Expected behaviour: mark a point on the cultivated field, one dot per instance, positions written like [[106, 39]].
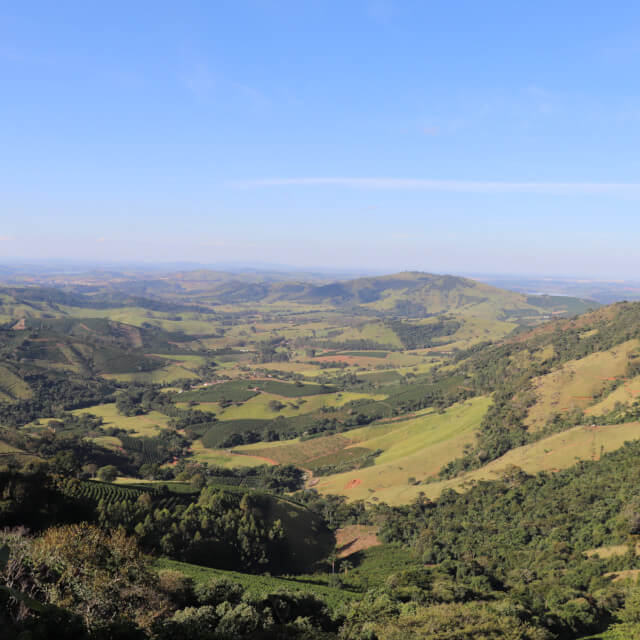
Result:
[[258, 585]]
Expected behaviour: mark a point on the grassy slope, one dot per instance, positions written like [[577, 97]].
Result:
[[145, 425], [222, 458], [7, 448], [258, 406], [553, 453], [11, 386], [167, 374], [298, 452], [412, 448], [627, 393], [191, 323], [376, 331], [575, 383]]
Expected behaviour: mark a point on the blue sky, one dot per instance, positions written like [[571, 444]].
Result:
[[461, 137]]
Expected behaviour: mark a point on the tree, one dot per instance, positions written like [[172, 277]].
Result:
[[66, 464], [108, 473], [276, 405]]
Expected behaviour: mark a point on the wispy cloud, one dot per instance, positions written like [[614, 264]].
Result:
[[462, 186]]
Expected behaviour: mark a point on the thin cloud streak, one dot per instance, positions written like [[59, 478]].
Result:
[[463, 186]]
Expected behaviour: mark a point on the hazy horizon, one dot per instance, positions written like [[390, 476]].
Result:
[[31, 266]]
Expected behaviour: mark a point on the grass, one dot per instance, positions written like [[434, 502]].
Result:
[[375, 331], [414, 448], [108, 442], [477, 329], [190, 324], [607, 552], [11, 386], [553, 453], [257, 407], [289, 390], [333, 459], [186, 360], [296, 451], [363, 354], [164, 375], [149, 424], [627, 393], [7, 448], [575, 383], [381, 377], [222, 458], [258, 584], [235, 391]]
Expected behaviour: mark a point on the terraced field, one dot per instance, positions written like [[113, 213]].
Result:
[[258, 585]]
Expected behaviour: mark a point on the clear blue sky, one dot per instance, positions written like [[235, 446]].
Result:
[[443, 136]]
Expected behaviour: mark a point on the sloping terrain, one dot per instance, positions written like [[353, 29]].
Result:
[[412, 294], [577, 384], [413, 451], [551, 454]]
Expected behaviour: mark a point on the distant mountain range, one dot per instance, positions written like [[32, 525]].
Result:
[[408, 294]]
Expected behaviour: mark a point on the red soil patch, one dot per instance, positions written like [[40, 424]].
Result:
[[353, 483], [355, 537]]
